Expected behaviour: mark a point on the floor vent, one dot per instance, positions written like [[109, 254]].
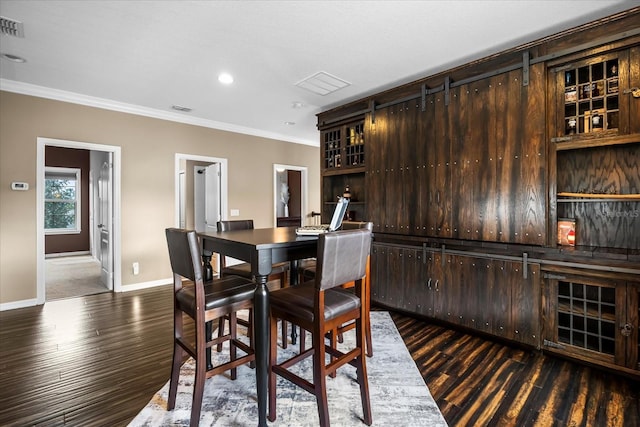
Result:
[[322, 83], [10, 27]]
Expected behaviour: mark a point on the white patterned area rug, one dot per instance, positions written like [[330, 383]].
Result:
[[399, 396]]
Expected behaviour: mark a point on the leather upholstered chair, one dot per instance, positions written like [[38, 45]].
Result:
[[319, 307], [203, 303], [307, 271], [279, 272]]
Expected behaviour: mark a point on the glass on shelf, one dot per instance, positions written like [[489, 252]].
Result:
[[596, 120], [585, 91], [597, 88], [570, 78], [612, 68]]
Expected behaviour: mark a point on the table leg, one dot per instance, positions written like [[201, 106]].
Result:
[[262, 342]]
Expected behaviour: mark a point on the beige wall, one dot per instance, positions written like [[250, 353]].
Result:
[[148, 156]]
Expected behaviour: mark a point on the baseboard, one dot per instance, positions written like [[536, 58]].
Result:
[[145, 285], [18, 304]]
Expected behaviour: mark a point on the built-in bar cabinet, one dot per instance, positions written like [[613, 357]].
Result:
[[505, 193]]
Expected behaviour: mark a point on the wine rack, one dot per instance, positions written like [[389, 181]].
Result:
[[591, 97]]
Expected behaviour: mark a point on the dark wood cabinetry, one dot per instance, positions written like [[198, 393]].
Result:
[[593, 317], [467, 173], [343, 161], [498, 296]]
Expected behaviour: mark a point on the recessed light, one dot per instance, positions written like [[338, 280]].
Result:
[[225, 78], [290, 123], [297, 104], [13, 58]]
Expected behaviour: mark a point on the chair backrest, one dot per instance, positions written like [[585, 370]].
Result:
[[241, 224], [342, 257], [184, 253], [353, 225]]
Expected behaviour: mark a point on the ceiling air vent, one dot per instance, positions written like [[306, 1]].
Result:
[[322, 83], [10, 27]]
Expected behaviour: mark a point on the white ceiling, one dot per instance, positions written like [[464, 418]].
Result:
[[145, 56]]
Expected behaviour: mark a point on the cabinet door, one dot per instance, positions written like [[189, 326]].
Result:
[[379, 273], [413, 284], [629, 342], [585, 317], [387, 270], [526, 302]]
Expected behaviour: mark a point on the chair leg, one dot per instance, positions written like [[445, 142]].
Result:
[[220, 332], [273, 359], [233, 352], [367, 319], [201, 375], [319, 377], [284, 334], [177, 359], [175, 375], [284, 284], [361, 373], [332, 343]]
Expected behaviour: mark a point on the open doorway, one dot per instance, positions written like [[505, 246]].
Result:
[[78, 254], [289, 195], [201, 193]]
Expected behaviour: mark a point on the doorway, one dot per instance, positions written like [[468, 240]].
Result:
[[289, 195], [201, 193], [101, 258]]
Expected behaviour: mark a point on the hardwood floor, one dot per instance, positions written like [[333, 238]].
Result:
[[97, 360]]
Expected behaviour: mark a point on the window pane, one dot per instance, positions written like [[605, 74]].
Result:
[[62, 199], [59, 215], [64, 189]]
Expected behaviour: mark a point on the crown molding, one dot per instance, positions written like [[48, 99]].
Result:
[[108, 104]]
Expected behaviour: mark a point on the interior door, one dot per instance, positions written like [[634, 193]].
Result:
[[105, 221], [207, 197], [212, 212]]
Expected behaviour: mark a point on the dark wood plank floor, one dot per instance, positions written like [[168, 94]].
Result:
[[97, 360]]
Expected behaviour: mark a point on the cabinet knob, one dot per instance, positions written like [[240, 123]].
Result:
[[626, 329]]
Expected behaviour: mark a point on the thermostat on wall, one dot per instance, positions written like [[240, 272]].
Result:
[[20, 186]]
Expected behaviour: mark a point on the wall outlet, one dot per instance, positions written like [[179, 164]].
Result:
[[235, 212], [136, 268]]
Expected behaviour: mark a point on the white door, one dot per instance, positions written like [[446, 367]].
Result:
[[105, 222], [212, 212], [207, 197]]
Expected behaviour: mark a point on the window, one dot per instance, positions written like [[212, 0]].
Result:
[[61, 200]]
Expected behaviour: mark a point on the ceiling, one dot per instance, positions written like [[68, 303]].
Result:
[[144, 57]]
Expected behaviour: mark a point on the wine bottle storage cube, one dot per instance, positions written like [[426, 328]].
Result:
[[591, 102], [332, 149], [355, 145], [587, 316]]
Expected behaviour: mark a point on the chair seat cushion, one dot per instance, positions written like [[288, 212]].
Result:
[[299, 300], [219, 293], [244, 269]]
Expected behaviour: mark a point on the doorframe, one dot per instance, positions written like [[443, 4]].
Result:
[[223, 181], [304, 171], [116, 231]]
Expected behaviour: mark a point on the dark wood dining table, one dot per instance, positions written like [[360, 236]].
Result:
[[262, 247]]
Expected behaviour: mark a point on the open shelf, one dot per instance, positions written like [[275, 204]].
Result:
[[593, 197]]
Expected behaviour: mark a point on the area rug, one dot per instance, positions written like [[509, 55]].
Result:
[[399, 396]]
